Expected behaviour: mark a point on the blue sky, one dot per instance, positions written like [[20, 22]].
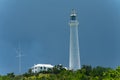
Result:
[[42, 27]]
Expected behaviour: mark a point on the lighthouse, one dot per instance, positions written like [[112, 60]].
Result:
[[74, 53]]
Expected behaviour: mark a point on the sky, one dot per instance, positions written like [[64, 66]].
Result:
[[41, 27]]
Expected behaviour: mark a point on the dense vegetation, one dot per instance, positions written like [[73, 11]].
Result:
[[60, 73]]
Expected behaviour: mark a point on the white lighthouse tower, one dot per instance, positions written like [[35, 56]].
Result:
[[74, 54]]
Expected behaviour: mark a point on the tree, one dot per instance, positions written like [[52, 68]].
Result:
[[11, 75], [57, 69], [86, 69]]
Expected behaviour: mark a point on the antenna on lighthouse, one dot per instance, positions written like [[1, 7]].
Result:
[[19, 52]]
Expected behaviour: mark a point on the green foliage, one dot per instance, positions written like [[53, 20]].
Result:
[[60, 73], [86, 69], [10, 76], [57, 69]]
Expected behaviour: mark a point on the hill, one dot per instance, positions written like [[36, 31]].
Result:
[[59, 73]]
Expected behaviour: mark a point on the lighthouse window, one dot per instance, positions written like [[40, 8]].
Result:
[[73, 17]]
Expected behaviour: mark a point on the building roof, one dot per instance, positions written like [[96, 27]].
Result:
[[43, 65]]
